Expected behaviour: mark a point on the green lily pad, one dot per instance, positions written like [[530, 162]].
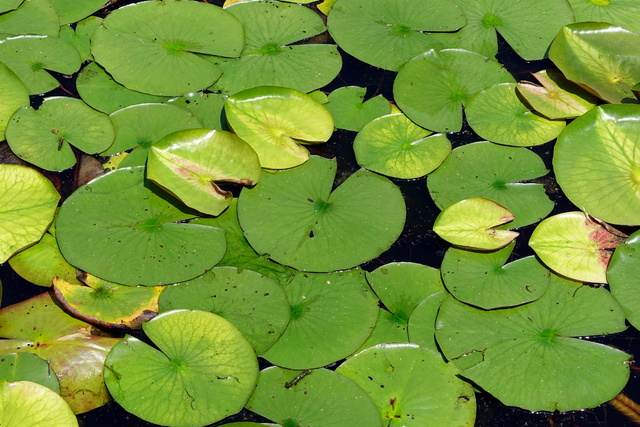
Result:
[[422, 323], [188, 164], [171, 36], [44, 136], [327, 230], [275, 120], [527, 25], [588, 53], [394, 146], [331, 316], [499, 173], [470, 224], [101, 92], [576, 246], [485, 281], [597, 165], [108, 304], [28, 367], [31, 56], [389, 328], [7, 5], [314, 398], [253, 303], [29, 202], [623, 277], [455, 75], [121, 228], [388, 33], [202, 365], [206, 107], [39, 263], [557, 98], [73, 10], [26, 403], [13, 95], [497, 114], [273, 55], [79, 36], [31, 17], [76, 355], [351, 112], [540, 335], [412, 386], [623, 13]]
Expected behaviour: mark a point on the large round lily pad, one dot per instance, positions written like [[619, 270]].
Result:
[[25, 403], [202, 365], [597, 165], [171, 36], [492, 347], [412, 386], [326, 230], [121, 228]]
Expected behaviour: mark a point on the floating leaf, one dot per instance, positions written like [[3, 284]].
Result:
[[202, 365], [253, 303], [388, 328], [13, 95], [327, 230], [331, 316], [80, 36], [29, 202], [73, 10], [26, 403], [495, 172], [171, 36], [576, 246], [422, 323], [205, 106], [393, 145], [351, 112], [455, 75], [470, 224], [623, 13], [28, 367], [623, 278], [597, 163], [7, 5], [44, 136], [412, 386], [497, 114], [118, 228], [275, 120], [31, 17], [491, 347]]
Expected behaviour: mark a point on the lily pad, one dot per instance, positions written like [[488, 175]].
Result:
[[557, 98], [351, 112], [31, 56], [331, 316], [206, 107], [79, 36], [495, 172], [395, 146], [29, 202], [31, 17], [118, 228], [412, 386], [575, 47], [623, 277], [576, 245], [388, 33], [314, 398], [597, 163], [422, 323], [275, 120], [28, 367], [171, 36], [202, 365], [7, 5], [253, 303], [540, 335], [44, 136], [327, 230], [485, 281], [389, 328], [25, 403], [497, 114], [623, 13], [470, 224], [274, 54], [107, 304], [455, 75], [75, 354], [13, 95], [73, 10]]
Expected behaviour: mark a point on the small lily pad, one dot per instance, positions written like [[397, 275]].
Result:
[[395, 146], [576, 246], [72, 10], [485, 281], [497, 114], [470, 224], [422, 323], [31, 17], [79, 36], [389, 328], [44, 136], [206, 107], [7, 5], [623, 277], [25, 403], [13, 95], [351, 112], [275, 120], [202, 365], [395, 376], [28, 367]]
